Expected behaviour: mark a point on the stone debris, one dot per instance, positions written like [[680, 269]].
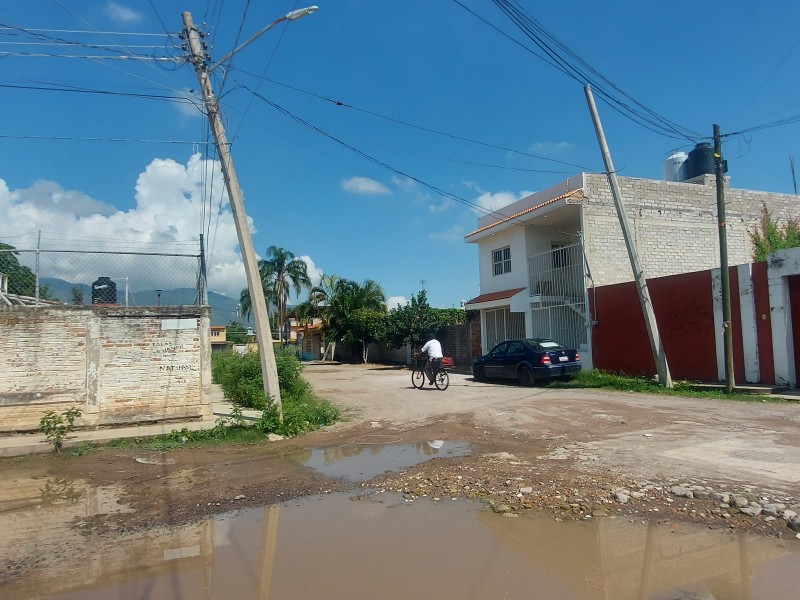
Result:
[[511, 486]]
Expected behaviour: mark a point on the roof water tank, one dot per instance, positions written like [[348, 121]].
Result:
[[674, 166], [700, 161], [104, 291]]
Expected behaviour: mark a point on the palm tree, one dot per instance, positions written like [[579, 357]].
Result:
[[280, 273], [323, 297], [337, 299], [246, 304]]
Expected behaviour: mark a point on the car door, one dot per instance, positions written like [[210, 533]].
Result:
[[495, 364], [514, 355]]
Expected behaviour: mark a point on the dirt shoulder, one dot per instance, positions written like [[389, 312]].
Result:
[[578, 453]]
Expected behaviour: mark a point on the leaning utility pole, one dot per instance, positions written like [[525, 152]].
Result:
[[656, 346], [727, 330], [269, 369]]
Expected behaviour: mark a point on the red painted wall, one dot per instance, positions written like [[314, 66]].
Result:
[[684, 312]]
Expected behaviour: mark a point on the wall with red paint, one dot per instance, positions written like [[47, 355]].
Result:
[[683, 305]]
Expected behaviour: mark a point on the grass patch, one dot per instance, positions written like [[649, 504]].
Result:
[[645, 385]]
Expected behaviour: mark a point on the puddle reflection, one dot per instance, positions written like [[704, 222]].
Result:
[[336, 548], [365, 458]]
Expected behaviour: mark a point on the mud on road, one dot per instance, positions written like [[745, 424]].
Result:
[[577, 453]]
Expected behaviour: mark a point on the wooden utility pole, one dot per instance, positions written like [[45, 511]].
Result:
[[656, 346], [727, 330], [269, 369]]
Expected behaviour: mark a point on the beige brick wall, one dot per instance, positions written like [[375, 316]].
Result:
[[674, 225], [116, 364]]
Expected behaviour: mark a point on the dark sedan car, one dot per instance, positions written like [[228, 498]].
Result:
[[526, 361]]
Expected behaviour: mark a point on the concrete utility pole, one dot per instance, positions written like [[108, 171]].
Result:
[[656, 346], [727, 330], [269, 368]]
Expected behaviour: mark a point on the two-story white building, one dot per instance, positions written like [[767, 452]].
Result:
[[542, 256]]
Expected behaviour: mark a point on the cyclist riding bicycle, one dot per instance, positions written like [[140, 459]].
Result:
[[433, 349]]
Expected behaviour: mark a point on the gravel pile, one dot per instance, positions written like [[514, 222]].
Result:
[[511, 486]]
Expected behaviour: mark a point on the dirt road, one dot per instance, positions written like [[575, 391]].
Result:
[[644, 436], [577, 453]]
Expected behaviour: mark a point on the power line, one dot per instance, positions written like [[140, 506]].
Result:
[[419, 127], [96, 139]]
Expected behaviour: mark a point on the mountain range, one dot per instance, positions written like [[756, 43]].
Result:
[[223, 308]]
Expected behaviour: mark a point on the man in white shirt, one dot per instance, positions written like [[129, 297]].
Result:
[[434, 351]]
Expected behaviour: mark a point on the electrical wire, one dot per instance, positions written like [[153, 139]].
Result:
[[445, 194], [554, 52], [419, 127]]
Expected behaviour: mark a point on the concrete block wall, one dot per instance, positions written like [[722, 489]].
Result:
[[674, 225], [118, 365]]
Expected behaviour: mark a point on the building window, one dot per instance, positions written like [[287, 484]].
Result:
[[501, 260]]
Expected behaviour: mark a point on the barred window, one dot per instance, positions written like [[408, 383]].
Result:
[[501, 260]]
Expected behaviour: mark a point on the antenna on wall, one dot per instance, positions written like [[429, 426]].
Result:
[[794, 177]]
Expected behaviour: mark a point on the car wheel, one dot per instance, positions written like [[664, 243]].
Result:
[[525, 377], [479, 374]]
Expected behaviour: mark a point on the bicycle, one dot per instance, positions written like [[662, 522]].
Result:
[[418, 376]]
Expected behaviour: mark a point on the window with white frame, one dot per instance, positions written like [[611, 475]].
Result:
[[501, 261]]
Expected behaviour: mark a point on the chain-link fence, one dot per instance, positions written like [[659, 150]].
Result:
[[81, 277]]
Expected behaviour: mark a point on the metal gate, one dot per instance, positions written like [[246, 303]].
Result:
[[501, 324], [564, 323]]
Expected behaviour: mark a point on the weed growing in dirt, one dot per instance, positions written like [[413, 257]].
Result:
[[613, 381], [57, 426], [82, 449]]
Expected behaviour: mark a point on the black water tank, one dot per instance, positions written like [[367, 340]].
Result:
[[700, 161], [104, 291]]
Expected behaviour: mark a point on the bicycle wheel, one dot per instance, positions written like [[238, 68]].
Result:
[[418, 378], [442, 380]]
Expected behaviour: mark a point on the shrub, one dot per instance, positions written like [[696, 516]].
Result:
[[240, 378], [55, 428]]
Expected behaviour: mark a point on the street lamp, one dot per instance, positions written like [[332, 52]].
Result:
[[292, 16], [255, 287]]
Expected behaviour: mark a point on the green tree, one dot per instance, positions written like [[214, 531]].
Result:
[[408, 324], [337, 302], [236, 332], [322, 298], [770, 236], [21, 280], [364, 326], [77, 296], [281, 272]]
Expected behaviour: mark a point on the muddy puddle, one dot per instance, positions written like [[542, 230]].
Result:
[[370, 456], [342, 546]]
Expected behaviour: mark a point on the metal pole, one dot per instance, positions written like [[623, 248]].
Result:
[[727, 330], [38, 245], [203, 276], [656, 346], [269, 368]]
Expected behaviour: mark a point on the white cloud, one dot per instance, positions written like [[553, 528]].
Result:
[[409, 186], [314, 272], [395, 301], [455, 232], [167, 218], [364, 186], [446, 203], [122, 14], [488, 201], [549, 148], [191, 103]]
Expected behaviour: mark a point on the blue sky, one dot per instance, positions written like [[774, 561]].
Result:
[[368, 137]]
